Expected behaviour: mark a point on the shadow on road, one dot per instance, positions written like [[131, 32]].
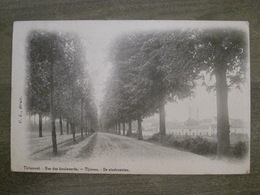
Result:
[[87, 150]]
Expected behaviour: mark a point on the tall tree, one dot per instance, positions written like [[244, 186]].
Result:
[[223, 54], [44, 51], [56, 79], [146, 81], [129, 131], [167, 69], [37, 80]]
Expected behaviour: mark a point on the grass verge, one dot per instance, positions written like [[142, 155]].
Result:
[[199, 145]]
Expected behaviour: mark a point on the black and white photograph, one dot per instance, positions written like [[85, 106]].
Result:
[[131, 97]]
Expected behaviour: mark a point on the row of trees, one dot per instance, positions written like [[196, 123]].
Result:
[[153, 68], [58, 84]]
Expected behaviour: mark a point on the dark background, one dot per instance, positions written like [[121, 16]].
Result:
[[34, 183]]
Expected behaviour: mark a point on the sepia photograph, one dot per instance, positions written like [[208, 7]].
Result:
[[131, 97]]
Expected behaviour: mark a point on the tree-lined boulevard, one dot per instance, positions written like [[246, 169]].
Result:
[[153, 68], [149, 69]]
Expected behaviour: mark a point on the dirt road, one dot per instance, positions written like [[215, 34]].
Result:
[[102, 151]]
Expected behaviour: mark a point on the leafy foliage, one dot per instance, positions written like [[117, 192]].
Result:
[[155, 67], [149, 70], [58, 84]]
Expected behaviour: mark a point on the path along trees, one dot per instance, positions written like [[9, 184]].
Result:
[[153, 68], [58, 84]]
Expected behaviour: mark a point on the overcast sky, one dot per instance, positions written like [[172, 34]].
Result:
[[97, 37]]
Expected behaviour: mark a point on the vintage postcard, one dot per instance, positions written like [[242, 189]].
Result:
[[131, 97]]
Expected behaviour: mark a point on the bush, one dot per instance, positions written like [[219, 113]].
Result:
[[199, 145], [196, 145], [239, 150], [154, 138]]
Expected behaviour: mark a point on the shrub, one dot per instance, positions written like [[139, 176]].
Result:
[[196, 145], [199, 145], [240, 149], [154, 138]]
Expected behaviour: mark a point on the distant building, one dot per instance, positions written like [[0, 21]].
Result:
[[237, 126], [205, 127], [192, 127], [195, 131], [151, 124]]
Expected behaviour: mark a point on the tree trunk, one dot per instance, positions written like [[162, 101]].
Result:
[[33, 122], [86, 125], [61, 128], [67, 127], [119, 128], [139, 131], [53, 134], [162, 119], [73, 115], [81, 118], [123, 128], [73, 132], [70, 128], [129, 132], [90, 126], [223, 148], [53, 130], [40, 124]]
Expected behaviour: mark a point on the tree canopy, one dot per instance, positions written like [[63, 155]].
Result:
[[152, 68], [58, 84]]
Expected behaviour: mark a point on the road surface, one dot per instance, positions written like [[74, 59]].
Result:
[[113, 147], [109, 151]]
